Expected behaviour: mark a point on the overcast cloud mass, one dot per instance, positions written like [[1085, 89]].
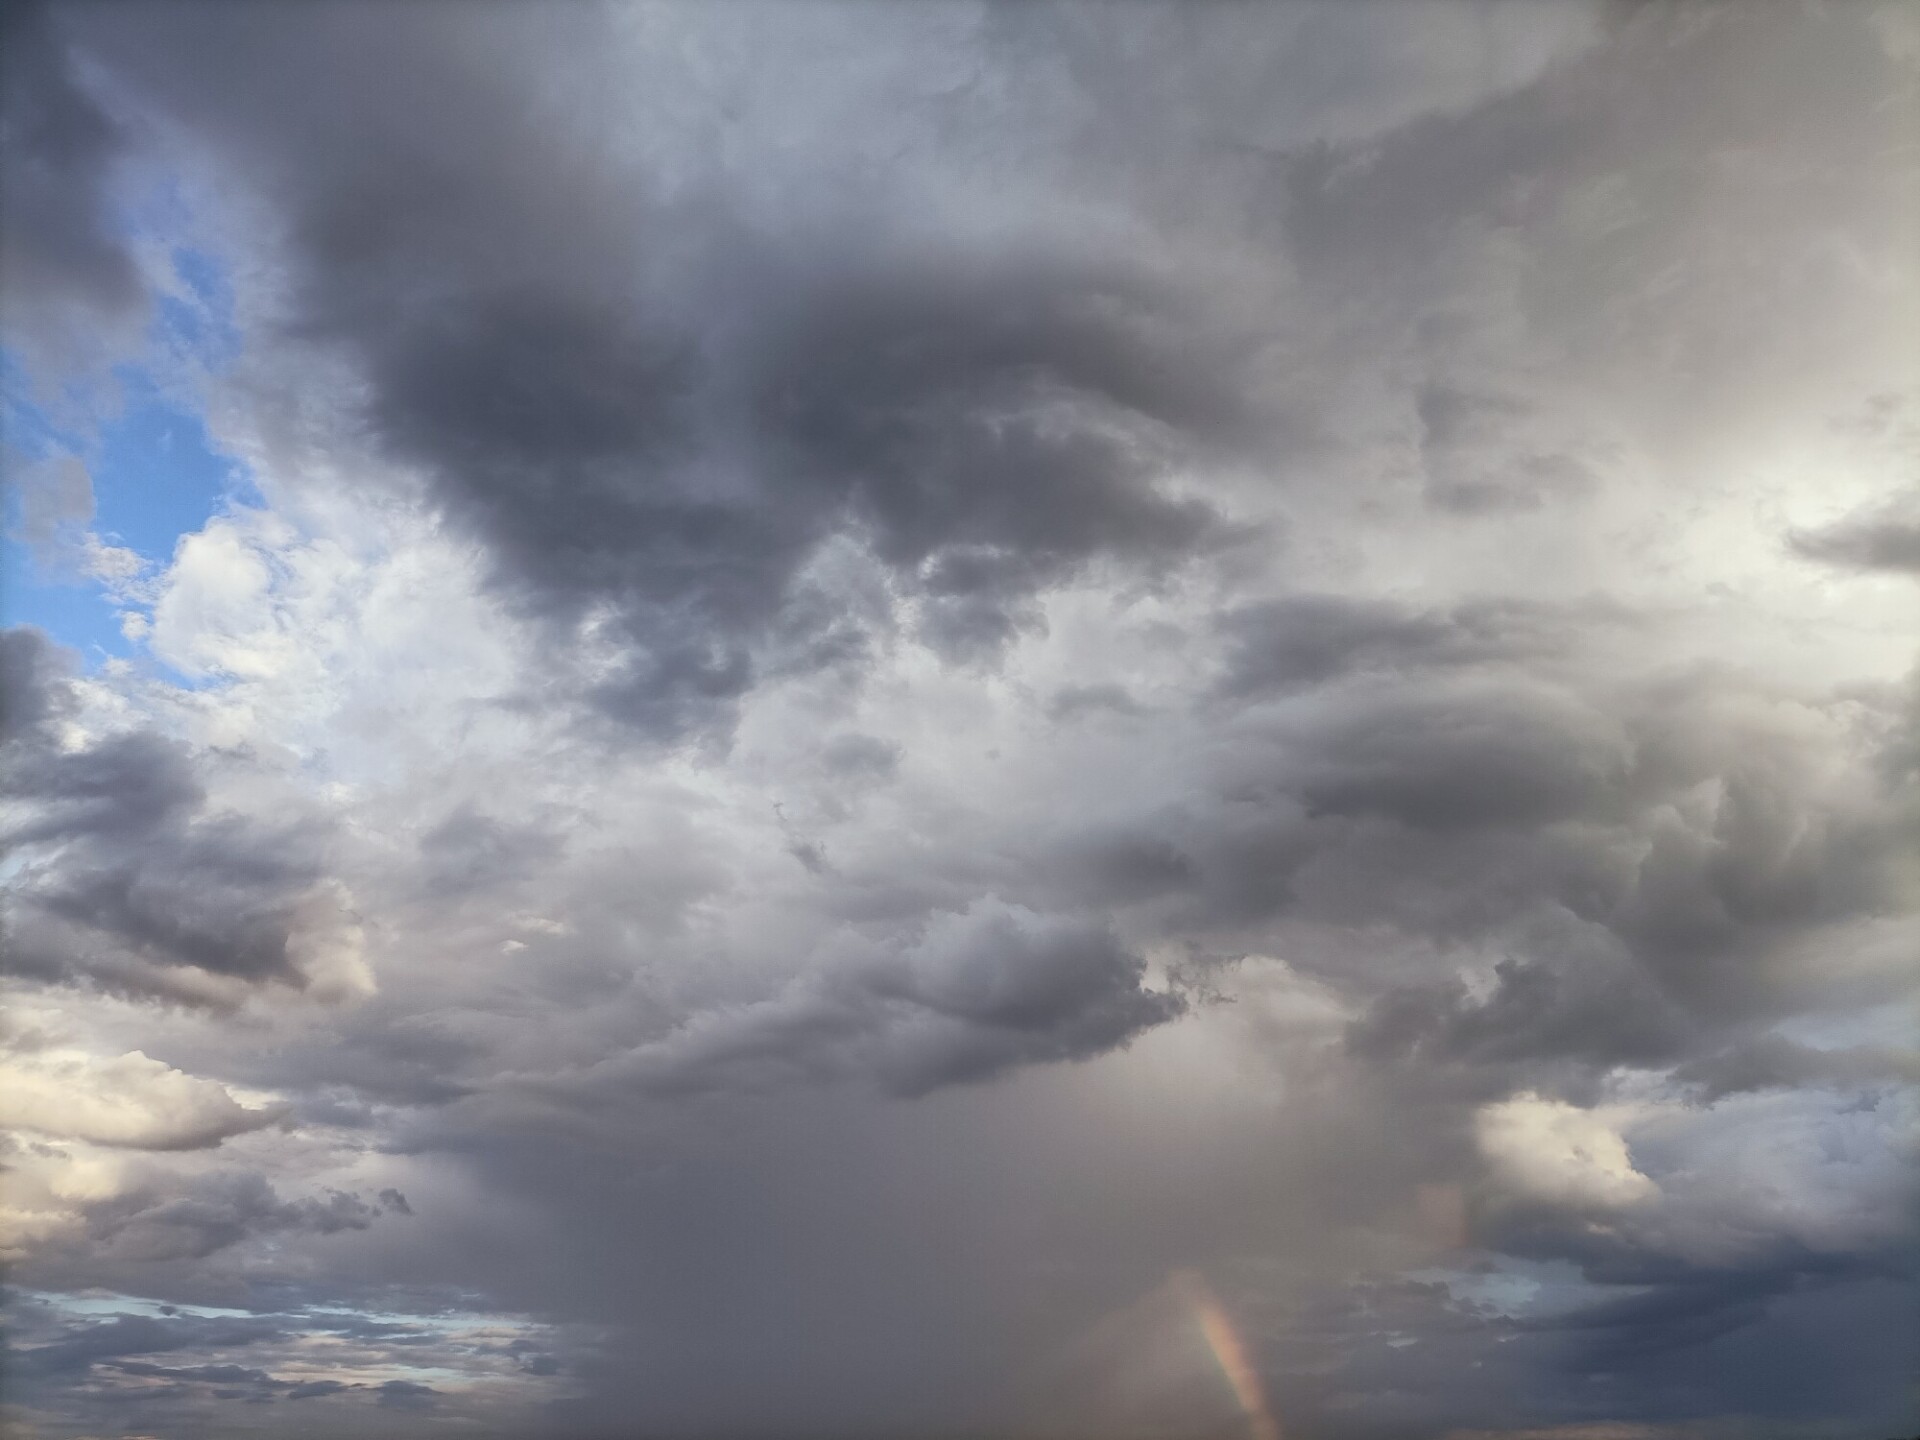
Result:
[[1016, 720]]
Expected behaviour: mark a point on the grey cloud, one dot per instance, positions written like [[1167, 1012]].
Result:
[[1463, 756], [63, 265], [222, 902], [1478, 1371], [548, 417], [128, 876], [339, 1211], [314, 1389], [405, 1395], [549, 430], [126, 782], [55, 497], [473, 851], [380, 1059], [1702, 1238], [860, 757], [1777, 1342], [1588, 779], [1772, 1061], [1305, 640], [1572, 1007], [190, 1219], [1883, 536], [1074, 701], [34, 692], [395, 1201], [1477, 463], [231, 1382], [979, 992], [989, 424], [144, 1335], [1772, 864], [988, 431], [1016, 414], [1871, 542], [744, 364], [211, 1374], [1130, 867], [1301, 641]]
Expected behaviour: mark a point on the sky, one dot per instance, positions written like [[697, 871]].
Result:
[[986, 721]]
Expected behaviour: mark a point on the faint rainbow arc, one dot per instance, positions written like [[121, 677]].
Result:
[[1230, 1353]]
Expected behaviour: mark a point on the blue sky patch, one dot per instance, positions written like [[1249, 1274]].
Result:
[[156, 471]]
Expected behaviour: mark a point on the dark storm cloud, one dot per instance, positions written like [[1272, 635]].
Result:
[[988, 429], [979, 992], [995, 423], [34, 692], [1549, 793], [1460, 757], [1719, 1342], [1775, 1343], [129, 877], [989, 424], [64, 265], [549, 433]]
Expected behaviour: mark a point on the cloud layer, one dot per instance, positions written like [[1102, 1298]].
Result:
[[890, 674]]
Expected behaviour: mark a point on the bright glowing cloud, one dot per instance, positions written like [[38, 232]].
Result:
[[126, 1100], [1550, 1150]]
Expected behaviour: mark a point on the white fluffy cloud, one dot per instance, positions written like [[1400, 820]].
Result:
[[126, 1100], [1550, 1150]]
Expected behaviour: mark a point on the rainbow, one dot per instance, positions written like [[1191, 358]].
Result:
[[1229, 1352]]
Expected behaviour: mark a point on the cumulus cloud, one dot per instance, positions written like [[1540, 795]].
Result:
[[130, 1100], [980, 991], [1549, 1150], [133, 878]]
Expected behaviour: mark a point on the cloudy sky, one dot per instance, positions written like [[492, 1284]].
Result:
[[1022, 721]]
